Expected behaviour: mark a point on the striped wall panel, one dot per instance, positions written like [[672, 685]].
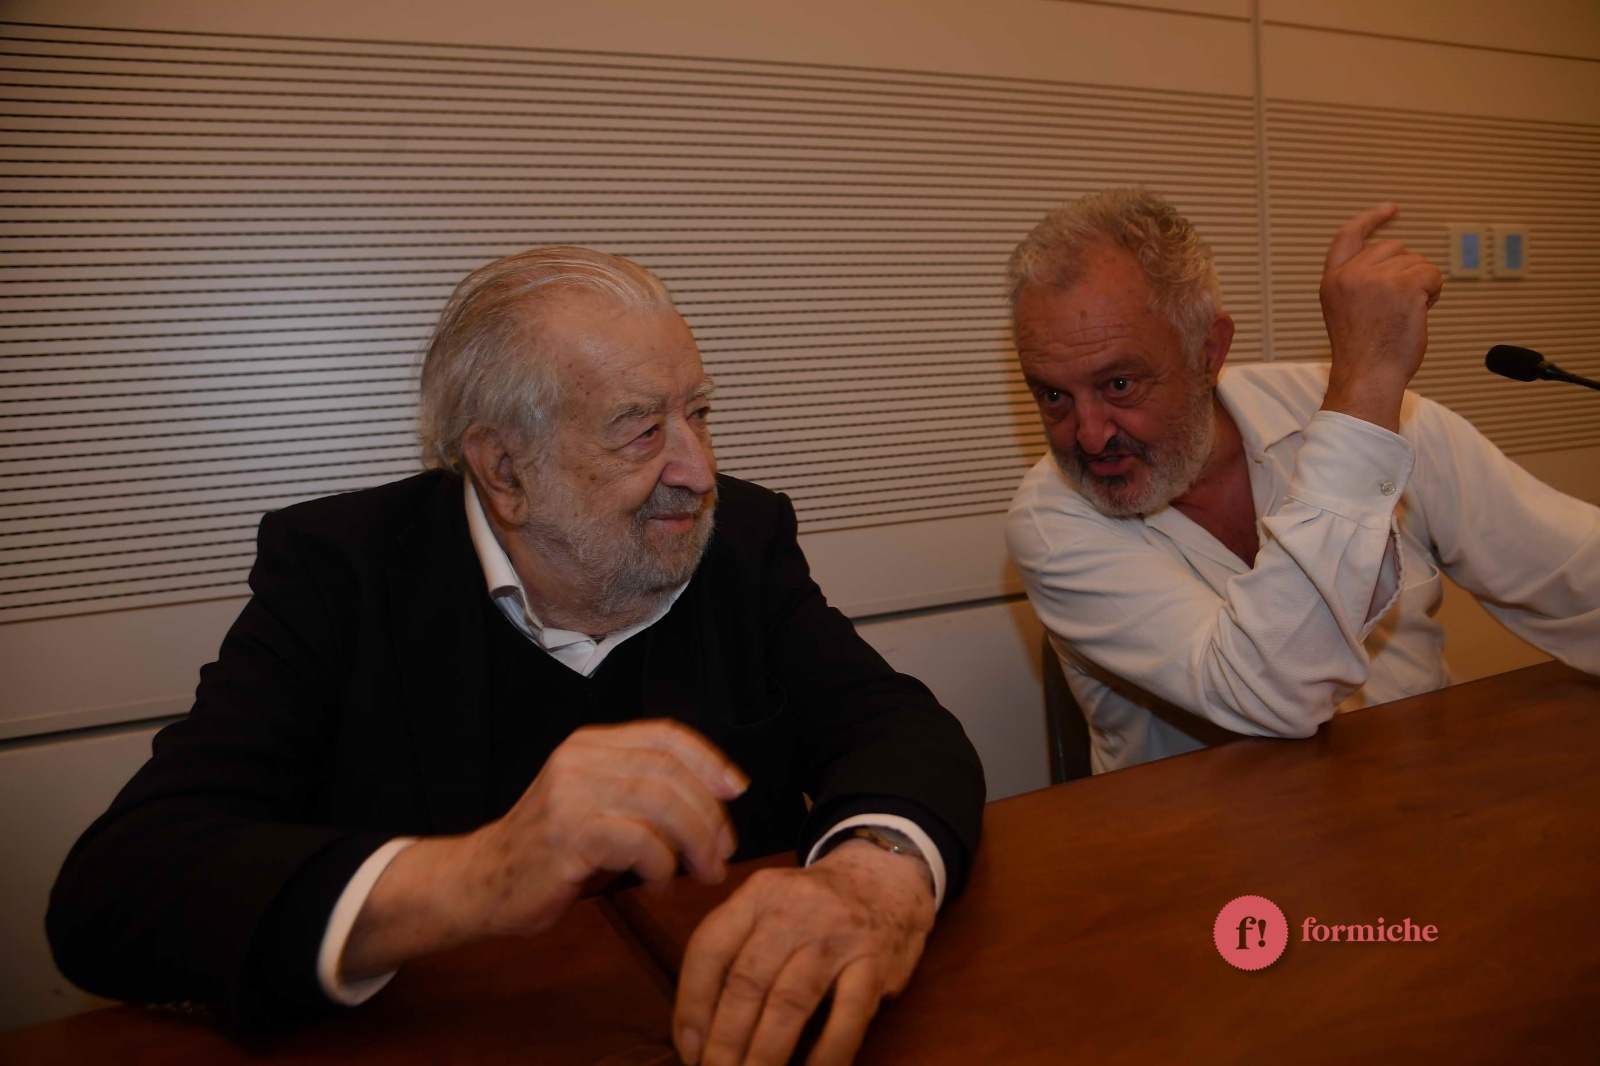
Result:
[[1326, 162], [220, 256]]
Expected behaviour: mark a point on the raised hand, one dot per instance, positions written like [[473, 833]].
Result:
[[756, 968], [1375, 301], [609, 799]]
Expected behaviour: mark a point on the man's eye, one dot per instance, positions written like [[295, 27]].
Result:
[[701, 414], [1119, 386], [1051, 397], [649, 434]]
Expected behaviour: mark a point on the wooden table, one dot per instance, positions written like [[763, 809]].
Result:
[[1086, 930]]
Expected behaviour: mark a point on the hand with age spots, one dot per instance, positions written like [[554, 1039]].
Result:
[[854, 922], [609, 799]]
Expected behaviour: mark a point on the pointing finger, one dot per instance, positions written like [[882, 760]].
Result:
[[1352, 236]]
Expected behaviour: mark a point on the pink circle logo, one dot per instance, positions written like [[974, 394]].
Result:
[[1251, 932]]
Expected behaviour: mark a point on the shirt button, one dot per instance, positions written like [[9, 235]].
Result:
[[1387, 488]]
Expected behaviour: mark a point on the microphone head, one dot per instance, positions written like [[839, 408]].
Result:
[[1521, 364]]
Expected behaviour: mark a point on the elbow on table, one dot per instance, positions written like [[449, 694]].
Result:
[[1272, 718]]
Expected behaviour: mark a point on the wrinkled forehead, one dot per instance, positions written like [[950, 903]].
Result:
[[607, 356]]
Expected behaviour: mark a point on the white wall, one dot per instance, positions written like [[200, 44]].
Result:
[[981, 660]]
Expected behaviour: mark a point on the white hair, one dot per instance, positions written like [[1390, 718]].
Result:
[[485, 363], [1175, 261]]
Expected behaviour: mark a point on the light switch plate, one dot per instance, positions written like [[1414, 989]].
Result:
[[1467, 251], [1510, 258]]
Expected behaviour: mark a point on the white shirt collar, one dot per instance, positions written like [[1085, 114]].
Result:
[[1264, 417], [579, 651]]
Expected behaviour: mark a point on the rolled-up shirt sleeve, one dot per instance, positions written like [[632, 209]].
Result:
[[1276, 651]]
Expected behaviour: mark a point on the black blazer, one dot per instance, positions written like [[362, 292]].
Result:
[[349, 705]]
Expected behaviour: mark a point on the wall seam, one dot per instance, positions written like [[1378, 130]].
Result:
[[1263, 186]]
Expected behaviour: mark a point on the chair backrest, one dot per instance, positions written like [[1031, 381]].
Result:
[[1066, 730]]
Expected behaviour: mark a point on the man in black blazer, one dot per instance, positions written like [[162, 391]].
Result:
[[571, 650]]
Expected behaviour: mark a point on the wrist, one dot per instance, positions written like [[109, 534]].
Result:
[[904, 869], [420, 905], [1372, 397]]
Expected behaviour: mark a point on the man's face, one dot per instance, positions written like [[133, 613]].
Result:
[[1128, 420], [627, 489]]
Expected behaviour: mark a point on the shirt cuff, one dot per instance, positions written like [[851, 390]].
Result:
[[1353, 468], [919, 837], [343, 919]]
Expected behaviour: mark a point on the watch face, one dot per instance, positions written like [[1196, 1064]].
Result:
[[889, 840]]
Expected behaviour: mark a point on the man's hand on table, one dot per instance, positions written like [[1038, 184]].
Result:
[[609, 799], [1375, 301], [854, 921]]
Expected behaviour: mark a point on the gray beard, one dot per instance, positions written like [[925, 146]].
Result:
[[1174, 465], [624, 577]]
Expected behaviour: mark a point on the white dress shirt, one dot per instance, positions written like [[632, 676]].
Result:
[[583, 654], [1165, 634]]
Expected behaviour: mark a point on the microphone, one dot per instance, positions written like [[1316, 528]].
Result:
[[1525, 364]]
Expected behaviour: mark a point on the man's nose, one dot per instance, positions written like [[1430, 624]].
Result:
[[690, 462], [1095, 428]]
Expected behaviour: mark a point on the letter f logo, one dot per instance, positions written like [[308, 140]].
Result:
[[1244, 924]]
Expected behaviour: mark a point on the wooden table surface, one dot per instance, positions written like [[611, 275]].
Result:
[[1086, 930], [579, 995]]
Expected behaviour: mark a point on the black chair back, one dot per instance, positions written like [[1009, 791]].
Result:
[[1066, 730]]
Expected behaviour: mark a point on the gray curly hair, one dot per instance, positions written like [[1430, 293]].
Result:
[[484, 364], [1176, 262]]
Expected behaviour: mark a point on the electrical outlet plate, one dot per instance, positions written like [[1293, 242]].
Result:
[[1467, 251], [1510, 251]]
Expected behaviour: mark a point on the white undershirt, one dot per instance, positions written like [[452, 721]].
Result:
[[583, 654]]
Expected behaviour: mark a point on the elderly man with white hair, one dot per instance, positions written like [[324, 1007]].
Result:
[[570, 650], [1252, 550]]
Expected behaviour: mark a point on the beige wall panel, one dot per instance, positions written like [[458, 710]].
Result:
[[1551, 27], [49, 793], [1575, 472], [1090, 43], [983, 664], [95, 669], [1335, 68], [950, 561]]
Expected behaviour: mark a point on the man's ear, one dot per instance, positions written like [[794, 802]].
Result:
[[494, 471], [1219, 338]]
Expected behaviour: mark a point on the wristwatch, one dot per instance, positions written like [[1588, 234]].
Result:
[[891, 840]]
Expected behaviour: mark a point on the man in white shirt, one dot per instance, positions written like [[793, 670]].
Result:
[[1252, 550], [457, 702]]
